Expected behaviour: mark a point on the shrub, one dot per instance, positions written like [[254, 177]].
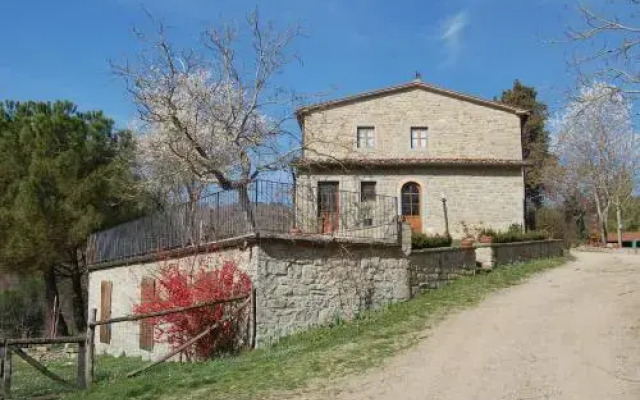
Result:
[[561, 225], [422, 241], [512, 236], [22, 309], [180, 288]]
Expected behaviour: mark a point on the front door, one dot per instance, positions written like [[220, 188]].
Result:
[[410, 204], [328, 207]]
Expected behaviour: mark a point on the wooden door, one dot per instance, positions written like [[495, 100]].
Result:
[[410, 204], [328, 207]]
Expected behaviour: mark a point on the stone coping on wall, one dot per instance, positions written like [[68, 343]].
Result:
[[441, 249], [174, 253], [244, 240], [481, 245]]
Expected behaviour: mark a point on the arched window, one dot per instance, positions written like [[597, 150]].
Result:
[[410, 199]]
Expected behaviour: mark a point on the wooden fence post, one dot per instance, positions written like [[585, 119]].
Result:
[[90, 349], [82, 365], [6, 371], [2, 350]]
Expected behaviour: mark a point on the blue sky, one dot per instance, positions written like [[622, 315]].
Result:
[[60, 49]]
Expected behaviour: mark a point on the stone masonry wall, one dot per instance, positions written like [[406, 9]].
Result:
[[433, 268], [496, 254], [456, 128], [305, 284], [487, 197]]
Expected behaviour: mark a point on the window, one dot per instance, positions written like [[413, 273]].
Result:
[[410, 199], [366, 137], [367, 191], [418, 138]]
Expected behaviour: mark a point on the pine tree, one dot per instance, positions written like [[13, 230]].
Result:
[[63, 174], [535, 143]]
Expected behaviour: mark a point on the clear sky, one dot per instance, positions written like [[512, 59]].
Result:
[[60, 49]]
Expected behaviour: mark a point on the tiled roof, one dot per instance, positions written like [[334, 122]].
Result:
[[406, 162], [626, 237], [411, 85]]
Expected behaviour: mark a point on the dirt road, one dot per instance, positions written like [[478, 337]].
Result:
[[570, 333]]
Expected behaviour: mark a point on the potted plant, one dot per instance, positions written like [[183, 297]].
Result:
[[486, 235], [468, 241]]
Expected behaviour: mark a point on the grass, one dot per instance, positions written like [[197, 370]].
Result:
[[314, 357], [27, 382]]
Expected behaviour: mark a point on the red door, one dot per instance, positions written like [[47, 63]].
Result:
[[328, 207]]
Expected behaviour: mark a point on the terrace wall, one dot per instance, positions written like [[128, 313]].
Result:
[[303, 281], [433, 268], [495, 254]]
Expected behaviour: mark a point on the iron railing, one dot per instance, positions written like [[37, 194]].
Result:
[[258, 207]]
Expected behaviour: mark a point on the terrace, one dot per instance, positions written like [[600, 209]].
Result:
[[261, 208]]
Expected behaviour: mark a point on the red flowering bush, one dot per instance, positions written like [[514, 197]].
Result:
[[176, 288]]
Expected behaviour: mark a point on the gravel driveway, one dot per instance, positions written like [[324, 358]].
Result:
[[570, 333]]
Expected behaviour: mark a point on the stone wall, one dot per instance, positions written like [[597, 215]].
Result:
[[488, 197], [456, 128], [299, 283], [433, 268], [305, 284], [495, 254]]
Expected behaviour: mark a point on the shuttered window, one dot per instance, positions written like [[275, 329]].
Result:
[[106, 289], [147, 291]]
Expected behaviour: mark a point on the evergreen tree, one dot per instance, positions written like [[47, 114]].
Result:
[[535, 143], [63, 175]]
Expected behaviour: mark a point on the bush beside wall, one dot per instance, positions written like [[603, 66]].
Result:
[[514, 234], [422, 241]]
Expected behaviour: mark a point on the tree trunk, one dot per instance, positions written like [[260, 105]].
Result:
[[619, 221], [245, 203], [601, 219], [51, 296], [78, 300]]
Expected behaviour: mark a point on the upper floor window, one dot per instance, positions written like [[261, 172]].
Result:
[[419, 138], [366, 137]]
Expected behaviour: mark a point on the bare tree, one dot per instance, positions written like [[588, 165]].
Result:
[[217, 117], [597, 149], [609, 44]]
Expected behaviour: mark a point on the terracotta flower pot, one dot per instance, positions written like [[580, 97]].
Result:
[[486, 239], [467, 243]]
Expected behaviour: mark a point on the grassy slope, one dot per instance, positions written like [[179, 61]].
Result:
[[315, 356]]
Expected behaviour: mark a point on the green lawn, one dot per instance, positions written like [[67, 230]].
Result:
[[27, 382], [313, 357]]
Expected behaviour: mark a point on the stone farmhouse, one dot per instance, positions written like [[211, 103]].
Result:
[[421, 144], [331, 244]]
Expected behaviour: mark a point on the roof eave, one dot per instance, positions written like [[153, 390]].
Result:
[[302, 111]]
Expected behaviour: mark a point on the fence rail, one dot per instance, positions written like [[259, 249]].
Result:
[[11, 347], [260, 207], [238, 311]]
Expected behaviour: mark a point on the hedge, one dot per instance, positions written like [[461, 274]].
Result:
[[422, 241]]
